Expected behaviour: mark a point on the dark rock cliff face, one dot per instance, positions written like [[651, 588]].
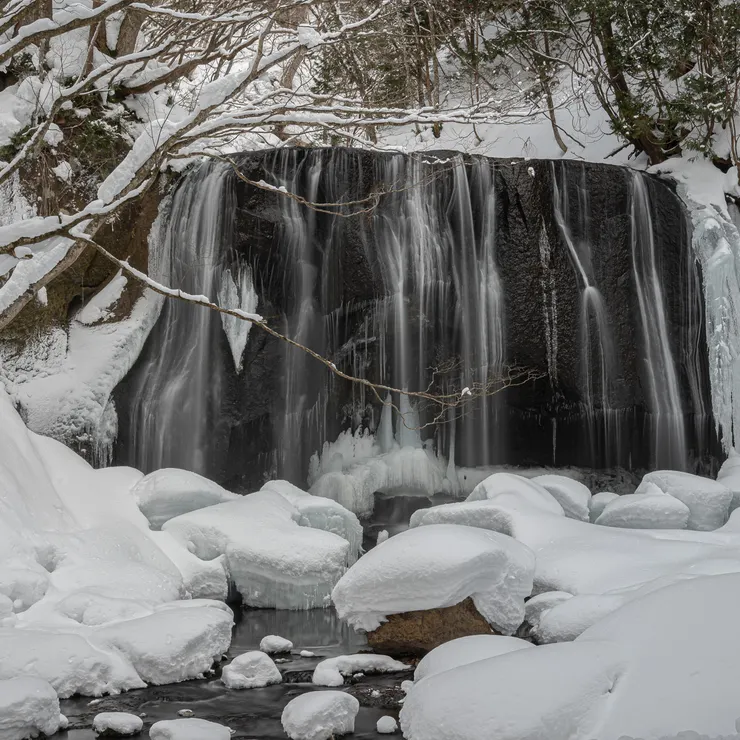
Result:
[[565, 286]]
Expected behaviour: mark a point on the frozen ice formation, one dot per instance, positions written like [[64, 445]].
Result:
[[320, 715], [438, 566], [252, 670]]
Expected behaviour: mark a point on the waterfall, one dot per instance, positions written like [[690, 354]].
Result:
[[598, 359], [177, 396], [667, 413]]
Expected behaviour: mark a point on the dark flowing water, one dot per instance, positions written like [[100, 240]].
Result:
[[254, 713]]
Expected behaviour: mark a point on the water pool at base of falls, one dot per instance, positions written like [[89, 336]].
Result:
[[254, 714]]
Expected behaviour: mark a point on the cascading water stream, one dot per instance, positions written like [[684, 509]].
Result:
[[177, 399], [668, 426]]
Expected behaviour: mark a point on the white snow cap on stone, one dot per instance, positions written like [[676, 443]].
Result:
[[320, 715], [188, 729], [466, 650], [386, 725], [251, 670], [708, 500], [517, 487], [275, 644], [572, 495], [645, 511], [437, 566], [329, 672], [598, 503], [117, 723], [28, 707]]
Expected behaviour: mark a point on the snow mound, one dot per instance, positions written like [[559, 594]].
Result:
[[510, 485], [320, 715], [69, 662], [708, 501], [598, 503], [28, 707], [272, 559], [167, 493], [682, 669], [572, 495], [117, 723], [436, 566], [271, 644], [188, 729], [252, 670], [330, 672], [645, 511], [174, 644], [466, 650], [555, 692], [386, 725], [729, 476]]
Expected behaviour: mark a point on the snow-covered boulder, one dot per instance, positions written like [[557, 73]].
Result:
[[320, 715], [169, 492], [438, 566], [466, 650], [729, 476], [172, 645], [69, 662], [708, 500], [272, 644], [117, 724], [28, 707], [386, 725], [572, 495], [556, 692], [252, 670], [272, 559], [598, 503], [190, 728], [512, 486], [330, 672], [645, 511]]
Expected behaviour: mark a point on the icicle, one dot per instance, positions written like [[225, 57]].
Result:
[[237, 294]]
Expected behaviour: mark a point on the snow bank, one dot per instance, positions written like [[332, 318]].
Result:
[[556, 692], [707, 500], [330, 672], [271, 558], [438, 566], [271, 644], [251, 670], [188, 729], [28, 707], [169, 492], [598, 503], [510, 485], [117, 723], [320, 715], [466, 650], [645, 511]]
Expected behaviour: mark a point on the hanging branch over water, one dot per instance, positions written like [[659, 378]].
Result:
[[454, 401]]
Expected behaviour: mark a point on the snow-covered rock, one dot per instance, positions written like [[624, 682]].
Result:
[[120, 724], [330, 672], [28, 707], [191, 728], [598, 503], [273, 559], [572, 495], [251, 670], [386, 725], [272, 644], [438, 566], [320, 715], [512, 486], [466, 650], [173, 644], [708, 501], [645, 511], [167, 493], [555, 692]]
